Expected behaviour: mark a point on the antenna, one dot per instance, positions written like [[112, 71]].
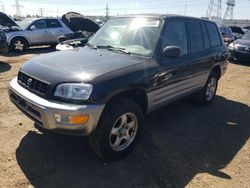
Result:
[[230, 10], [214, 9]]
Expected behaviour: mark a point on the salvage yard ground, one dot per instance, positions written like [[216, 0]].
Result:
[[183, 144]]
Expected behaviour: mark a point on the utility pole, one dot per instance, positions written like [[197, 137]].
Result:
[[214, 9], [230, 10], [41, 12], [3, 8], [185, 12], [18, 8], [107, 11]]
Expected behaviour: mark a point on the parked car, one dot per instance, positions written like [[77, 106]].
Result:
[[240, 49], [247, 28], [237, 31], [33, 32], [83, 29], [3, 42], [227, 34], [132, 66]]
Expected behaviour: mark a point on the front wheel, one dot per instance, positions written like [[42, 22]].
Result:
[[207, 94], [117, 130], [18, 45]]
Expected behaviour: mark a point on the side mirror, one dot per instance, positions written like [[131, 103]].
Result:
[[33, 27], [237, 37], [171, 51]]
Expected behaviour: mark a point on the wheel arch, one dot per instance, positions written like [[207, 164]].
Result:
[[21, 36], [138, 95], [217, 70]]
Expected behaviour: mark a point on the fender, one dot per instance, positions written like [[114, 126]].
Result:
[[12, 35]]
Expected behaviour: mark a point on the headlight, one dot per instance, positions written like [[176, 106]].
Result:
[[231, 46], [78, 91]]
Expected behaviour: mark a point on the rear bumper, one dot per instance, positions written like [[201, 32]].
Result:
[[42, 111]]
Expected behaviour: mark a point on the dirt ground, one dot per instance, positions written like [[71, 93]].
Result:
[[183, 144]]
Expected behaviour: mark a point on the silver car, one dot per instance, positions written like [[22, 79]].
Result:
[[33, 32]]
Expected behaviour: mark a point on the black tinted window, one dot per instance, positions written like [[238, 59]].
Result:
[[40, 24], [175, 35], [52, 23], [214, 36], [205, 36], [196, 40]]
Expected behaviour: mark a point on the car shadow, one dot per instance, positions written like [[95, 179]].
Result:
[[4, 67], [32, 50], [179, 141], [241, 62]]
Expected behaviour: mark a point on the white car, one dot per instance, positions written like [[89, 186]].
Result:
[[33, 32]]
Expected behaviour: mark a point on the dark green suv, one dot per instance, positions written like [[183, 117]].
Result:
[[132, 66]]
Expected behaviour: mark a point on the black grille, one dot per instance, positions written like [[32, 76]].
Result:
[[242, 48], [33, 84]]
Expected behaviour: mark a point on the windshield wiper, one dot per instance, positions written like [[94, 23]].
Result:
[[123, 50], [91, 45]]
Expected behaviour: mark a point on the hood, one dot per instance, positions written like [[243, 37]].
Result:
[[242, 42], [77, 22], [6, 21], [78, 65]]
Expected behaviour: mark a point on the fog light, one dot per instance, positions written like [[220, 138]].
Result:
[[70, 119]]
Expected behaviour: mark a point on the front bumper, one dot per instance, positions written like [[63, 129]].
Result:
[[3, 47], [42, 111], [239, 55]]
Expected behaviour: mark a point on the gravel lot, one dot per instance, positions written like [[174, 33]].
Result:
[[183, 144]]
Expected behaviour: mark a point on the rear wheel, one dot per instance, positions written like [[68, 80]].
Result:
[[18, 45], [207, 94], [117, 130]]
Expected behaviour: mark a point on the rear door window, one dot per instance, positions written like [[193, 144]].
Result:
[[205, 36], [195, 35], [213, 33], [175, 35], [53, 23]]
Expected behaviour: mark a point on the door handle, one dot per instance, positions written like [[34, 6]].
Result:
[[164, 76]]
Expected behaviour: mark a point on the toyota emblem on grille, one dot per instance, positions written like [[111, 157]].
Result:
[[29, 82]]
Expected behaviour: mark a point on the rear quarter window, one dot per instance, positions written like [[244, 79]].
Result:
[[213, 33]]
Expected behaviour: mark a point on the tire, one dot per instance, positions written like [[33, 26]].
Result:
[[122, 121], [18, 45], [53, 46], [208, 93]]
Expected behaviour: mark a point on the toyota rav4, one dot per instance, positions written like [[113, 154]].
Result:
[[133, 65]]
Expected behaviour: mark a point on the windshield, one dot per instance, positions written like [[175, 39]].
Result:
[[135, 35], [246, 36], [25, 23]]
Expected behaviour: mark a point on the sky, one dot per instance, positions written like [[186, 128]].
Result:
[[195, 8]]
